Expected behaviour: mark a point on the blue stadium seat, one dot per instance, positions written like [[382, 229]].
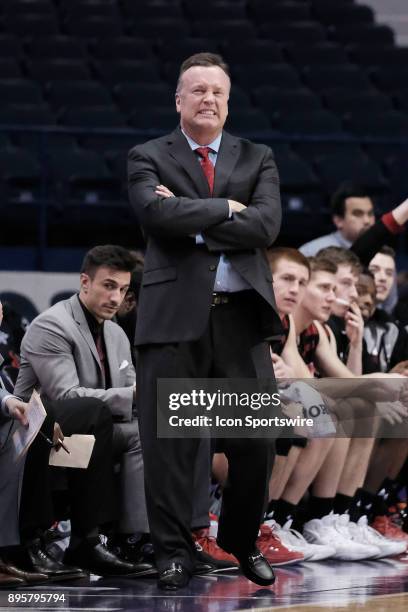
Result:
[[160, 29], [152, 10], [119, 71], [237, 29], [56, 47], [246, 121], [33, 7], [32, 26], [93, 116], [320, 54], [389, 78], [333, 13], [295, 174], [337, 167], [122, 48], [83, 175], [274, 75], [132, 96], [369, 35], [252, 52], [345, 101], [179, 50], [155, 118], [378, 55], [264, 10], [20, 91], [340, 77], [10, 69], [297, 32], [401, 98], [26, 114], [389, 124], [93, 27], [10, 47], [58, 70], [87, 10], [20, 173], [215, 11], [274, 100], [314, 122], [77, 94]]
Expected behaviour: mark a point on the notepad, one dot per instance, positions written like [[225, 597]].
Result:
[[24, 436], [80, 448]]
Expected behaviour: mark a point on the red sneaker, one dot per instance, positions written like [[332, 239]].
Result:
[[387, 528], [274, 551], [208, 552]]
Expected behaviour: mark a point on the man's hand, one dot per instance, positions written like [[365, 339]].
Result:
[[354, 325], [17, 410], [164, 192], [393, 412], [400, 368], [236, 206], [281, 369], [57, 436]]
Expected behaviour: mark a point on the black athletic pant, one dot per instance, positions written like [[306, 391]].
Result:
[[223, 351]]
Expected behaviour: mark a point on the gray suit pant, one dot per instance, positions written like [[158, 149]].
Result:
[[11, 477]]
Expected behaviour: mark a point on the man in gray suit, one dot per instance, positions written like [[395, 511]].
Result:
[[73, 350]]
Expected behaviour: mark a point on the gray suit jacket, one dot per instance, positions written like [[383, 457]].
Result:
[[60, 360]]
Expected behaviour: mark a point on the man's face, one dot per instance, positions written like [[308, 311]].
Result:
[[358, 217], [366, 303], [103, 293], [346, 290], [383, 268], [202, 101], [289, 284], [320, 295]]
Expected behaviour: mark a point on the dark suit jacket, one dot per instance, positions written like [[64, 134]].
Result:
[[179, 275]]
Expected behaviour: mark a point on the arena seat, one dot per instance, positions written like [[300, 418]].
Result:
[[77, 94]]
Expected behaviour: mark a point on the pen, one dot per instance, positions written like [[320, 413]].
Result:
[[63, 446], [51, 443]]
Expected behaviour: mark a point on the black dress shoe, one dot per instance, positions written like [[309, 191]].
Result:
[[256, 568], [7, 581], [174, 577], [29, 577], [41, 562], [140, 554], [98, 559]]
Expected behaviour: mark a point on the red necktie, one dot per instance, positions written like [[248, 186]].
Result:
[[207, 166]]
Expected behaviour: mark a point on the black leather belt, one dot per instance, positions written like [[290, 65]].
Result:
[[219, 298]]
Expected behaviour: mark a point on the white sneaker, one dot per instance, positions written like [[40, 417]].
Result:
[[332, 530], [363, 533], [294, 540]]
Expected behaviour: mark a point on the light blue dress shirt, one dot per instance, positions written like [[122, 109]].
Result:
[[227, 279]]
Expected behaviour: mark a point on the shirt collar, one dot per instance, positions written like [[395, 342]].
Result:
[[343, 241], [214, 145], [94, 326]]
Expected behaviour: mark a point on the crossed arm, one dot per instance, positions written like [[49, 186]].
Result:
[[160, 212]]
